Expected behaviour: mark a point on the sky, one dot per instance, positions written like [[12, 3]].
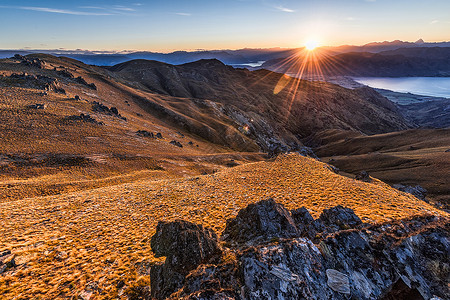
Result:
[[169, 25]]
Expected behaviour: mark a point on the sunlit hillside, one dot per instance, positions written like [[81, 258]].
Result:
[[97, 241]]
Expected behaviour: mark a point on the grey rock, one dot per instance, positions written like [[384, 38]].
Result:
[[417, 191], [261, 221], [405, 259], [363, 176], [338, 281], [176, 143], [185, 245], [340, 217]]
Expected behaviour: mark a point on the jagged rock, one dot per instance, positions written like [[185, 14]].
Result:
[[339, 218], [185, 245], [7, 261], [405, 259], [77, 98], [101, 108], [307, 152], [210, 279], [417, 191], [65, 73], [363, 176], [302, 219], [338, 281], [159, 135], [145, 133], [263, 220], [84, 118], [176, 143]]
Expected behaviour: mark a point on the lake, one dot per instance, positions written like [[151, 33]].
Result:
[[427, 86]]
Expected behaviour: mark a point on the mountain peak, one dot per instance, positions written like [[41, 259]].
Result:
[[419, 41]]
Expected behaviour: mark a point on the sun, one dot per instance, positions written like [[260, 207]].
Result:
[[311, 45]]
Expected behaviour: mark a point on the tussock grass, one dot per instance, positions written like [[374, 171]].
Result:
[[94, 241]]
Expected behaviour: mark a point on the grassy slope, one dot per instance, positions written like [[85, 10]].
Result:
[[101, 236], [409, 157], [91, 230]]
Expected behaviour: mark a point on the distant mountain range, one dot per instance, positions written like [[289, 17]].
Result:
[[241, 57], [402, 62]]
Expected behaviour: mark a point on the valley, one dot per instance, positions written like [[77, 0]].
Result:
[[91, 158]]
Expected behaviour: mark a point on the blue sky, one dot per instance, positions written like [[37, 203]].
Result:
[[164, 25]]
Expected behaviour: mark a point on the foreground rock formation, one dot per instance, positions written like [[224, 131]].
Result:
[[269, 252]]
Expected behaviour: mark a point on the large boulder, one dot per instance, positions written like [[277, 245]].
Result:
[[339, 218], [185, 246], [262, 221]]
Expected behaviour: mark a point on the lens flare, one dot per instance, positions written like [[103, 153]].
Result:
[[311, 45]]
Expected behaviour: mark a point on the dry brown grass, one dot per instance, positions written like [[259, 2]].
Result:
[[68, 243]]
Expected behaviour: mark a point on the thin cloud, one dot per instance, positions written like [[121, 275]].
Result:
[[59, 11], [434, 22], [183, 14], [284, 9], [123, 8], [110, 9]]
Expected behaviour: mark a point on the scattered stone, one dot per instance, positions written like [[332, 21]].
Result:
[[338, 281], [77, 98], [145, 133], [190, 143], [363, 176], [176, 143], [84, 118], [113, 111], [159, 135], [37, 106]]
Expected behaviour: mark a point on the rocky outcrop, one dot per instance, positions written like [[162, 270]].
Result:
[[363, 176], [7, 261], [34, 81], [262, 221], [417, 191], [84, 118], [101, 108], [185, 246], [273, 257], [176, 143]]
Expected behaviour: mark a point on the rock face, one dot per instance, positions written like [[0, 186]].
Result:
[[417, 191], [186, 246], [406, 259]]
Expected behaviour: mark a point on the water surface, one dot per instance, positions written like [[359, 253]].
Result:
[[427, 86]]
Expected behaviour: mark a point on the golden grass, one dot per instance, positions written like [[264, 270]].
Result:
[[87, 242]]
